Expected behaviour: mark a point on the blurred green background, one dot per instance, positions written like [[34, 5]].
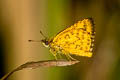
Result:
[[21, 20]]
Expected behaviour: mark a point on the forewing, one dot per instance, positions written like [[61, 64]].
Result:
[[77, 39]]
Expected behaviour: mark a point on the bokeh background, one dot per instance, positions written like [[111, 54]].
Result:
[[21, 20]]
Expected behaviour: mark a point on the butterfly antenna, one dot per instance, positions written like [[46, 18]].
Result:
[[38, 40], [43, 34]]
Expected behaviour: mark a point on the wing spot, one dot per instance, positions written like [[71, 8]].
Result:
[[81, 48], [77, 46], [88, 39], [72, 33], [78, 37], [88, 43], [67, 36]]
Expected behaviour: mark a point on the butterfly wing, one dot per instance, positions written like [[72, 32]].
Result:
[[77, 39]]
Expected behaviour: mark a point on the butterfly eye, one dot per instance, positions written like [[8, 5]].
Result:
[[45, 42]]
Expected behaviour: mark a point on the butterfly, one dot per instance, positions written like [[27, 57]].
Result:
[[78, 39]]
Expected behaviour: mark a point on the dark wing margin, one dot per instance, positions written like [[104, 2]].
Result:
[[93, 33]]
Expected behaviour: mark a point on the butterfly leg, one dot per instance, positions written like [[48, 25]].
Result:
[[55, 57], [71, 57], [68, 57], [59, 55], [54, 53]]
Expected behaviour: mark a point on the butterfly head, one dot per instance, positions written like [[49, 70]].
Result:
[[45, 42]]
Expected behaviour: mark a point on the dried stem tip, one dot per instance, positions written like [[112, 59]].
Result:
[[33, 65], [48, 63]]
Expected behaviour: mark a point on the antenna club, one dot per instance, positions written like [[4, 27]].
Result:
[[30, 40], [34, 40]]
